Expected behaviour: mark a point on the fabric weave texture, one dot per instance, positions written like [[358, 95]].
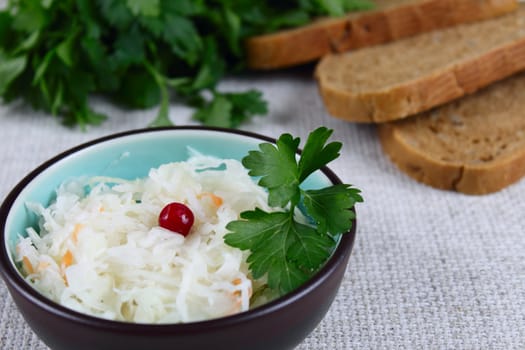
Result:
[[430, 269]]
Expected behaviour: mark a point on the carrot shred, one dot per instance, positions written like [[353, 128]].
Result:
[[67, 258], [215, 199], [74, 234], [236, 282], [27, 265]]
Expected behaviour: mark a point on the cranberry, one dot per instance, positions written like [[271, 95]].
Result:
[[176, 217]]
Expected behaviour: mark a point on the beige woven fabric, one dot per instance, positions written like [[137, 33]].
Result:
[[430, 269]]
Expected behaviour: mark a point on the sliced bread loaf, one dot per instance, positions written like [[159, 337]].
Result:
[[475, 145], [395, 80], [390, 20]]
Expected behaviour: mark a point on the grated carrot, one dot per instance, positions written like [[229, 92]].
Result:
[[215, 199], [67, 259], [236, 282], [74, 234], [27, 265]]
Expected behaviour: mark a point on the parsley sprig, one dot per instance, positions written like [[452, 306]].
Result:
[[284, 248], [54, 54]]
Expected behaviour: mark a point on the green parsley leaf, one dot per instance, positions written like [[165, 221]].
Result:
[[31, 17], [10, 68], [65, 50], [277, 167], [116, 12], [183, 38], [245, 105], [282, 247], [230, 109], [316, 154], [83, 116], [216, 113], [307, 248], [147, 8], [139, 89], [329, 207], [232, 30], [163, 114], [28, 43], [192, 44], [212, 67], [269, 236], [129, 49], [6, 21]]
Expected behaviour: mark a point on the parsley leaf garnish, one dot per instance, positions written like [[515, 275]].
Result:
[[140, 53], [283, 247]]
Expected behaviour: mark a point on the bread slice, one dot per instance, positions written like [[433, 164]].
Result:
[[399, 79], [474, 145], [390, 20]]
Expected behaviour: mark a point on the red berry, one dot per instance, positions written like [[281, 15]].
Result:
[[176, 217]]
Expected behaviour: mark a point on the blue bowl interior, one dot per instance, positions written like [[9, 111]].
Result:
[[128, 156]]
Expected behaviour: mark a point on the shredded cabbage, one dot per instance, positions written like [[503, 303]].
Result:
[[99, 249]]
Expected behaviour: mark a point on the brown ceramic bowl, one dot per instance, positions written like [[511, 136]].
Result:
[[280, 324]]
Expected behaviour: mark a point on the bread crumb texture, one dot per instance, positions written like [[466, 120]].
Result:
[[405, 77], [475, 145]]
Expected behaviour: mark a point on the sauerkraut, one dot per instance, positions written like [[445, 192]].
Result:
[[99, 250]]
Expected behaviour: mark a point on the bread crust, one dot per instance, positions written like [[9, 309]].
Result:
[[424, 93], [311, 42], [407, 143], [469, 179], [416, 163]]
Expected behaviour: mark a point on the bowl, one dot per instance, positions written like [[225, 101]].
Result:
[[280, 324]]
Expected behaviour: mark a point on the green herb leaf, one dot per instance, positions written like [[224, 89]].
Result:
[[183, 38], [139, 90], [283, 247], [192, 44], [30, 17], [162, 118], [231, 109], [330, 207], [116, 12], [6, 22], [83, 116], [147, 8], [316, 154], [268, 236], [65, 50], [10, 68], [216, 113], [212, 68], [245, 105], [277, 167], [28, 43], [129, 49]]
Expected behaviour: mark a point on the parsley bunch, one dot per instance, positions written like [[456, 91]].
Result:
[[54, 53], [287, 250]]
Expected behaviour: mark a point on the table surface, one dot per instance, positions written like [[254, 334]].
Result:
[[430, 269]]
